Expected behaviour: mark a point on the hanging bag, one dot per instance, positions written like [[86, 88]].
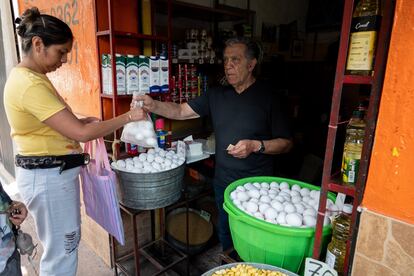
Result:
[[99, 191]]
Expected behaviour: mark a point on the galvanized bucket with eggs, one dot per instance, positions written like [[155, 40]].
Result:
[[272, 220], [151, 180]]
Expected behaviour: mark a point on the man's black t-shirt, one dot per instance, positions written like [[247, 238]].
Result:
[[254, 114]]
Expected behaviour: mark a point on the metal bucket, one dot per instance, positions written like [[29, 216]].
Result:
[[147, 191]]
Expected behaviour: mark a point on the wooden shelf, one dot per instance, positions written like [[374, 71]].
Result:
[[203, 13], [133, 35], [352, 79], [111, 96], [199, 61], [348, 190]]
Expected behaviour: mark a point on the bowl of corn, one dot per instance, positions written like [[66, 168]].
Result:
[[246, 268]]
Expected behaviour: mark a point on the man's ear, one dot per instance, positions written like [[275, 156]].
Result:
[[252, 64], [37, 44]]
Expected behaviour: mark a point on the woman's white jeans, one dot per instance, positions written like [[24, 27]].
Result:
[[53, 200]]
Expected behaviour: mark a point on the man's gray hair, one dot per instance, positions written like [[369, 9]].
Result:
[[253, 49]]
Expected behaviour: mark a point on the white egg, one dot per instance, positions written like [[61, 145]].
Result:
[[263, 207], [265, 199], [289, 208], [281, 218], [299, 208], [255, 200], [168, 157], [150, 157], [139, 136], [280, 198], [120, 164], [242, 196], [244, 204], [173, 166], [138, 165], [284, 193], [113, 164], [315, 194], [304, 192], [326, 221], [257, 185], [252, 207], [296, 199], [150, 141], [270, 220], [287, 199], [167, 162], [175, 156], [294, 219], [265, 185], [296, 187], [181, 160], [294, 193], [309, 212], [249, 186], [284, 186], [236, 202], [151, 151], [233, 195], [242, 208], [270, 213], [129, 161], [167, 167], [137, 170], [129, 167], [159, 159], [254, 193], [263, 192], [274, 184], [142, 157], [241, 189], [272, 196], [277, 205], [309, 221], [306, 199], [258, 215], [273, 192], [314, 203], [156, 166], [162, 153]]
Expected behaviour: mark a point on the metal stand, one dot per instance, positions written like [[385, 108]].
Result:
[[158, 252]]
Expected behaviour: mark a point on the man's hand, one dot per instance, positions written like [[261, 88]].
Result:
[[244, 148], [18, 213], [144, 101]]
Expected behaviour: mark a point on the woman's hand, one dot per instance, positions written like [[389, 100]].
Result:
[[17, 217], [137, 114]]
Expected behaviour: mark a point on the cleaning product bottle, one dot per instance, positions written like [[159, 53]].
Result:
[[161, 133], [354, 140], [335, 255]]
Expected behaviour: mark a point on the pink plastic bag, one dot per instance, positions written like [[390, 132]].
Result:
[[99, 191]]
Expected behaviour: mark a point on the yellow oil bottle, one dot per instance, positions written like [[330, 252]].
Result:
[[335, 255]]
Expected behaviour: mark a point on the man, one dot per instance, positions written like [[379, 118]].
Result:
[[247, 120]]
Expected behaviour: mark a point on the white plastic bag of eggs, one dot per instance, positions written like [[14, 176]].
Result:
[[279, 203], [153, 161], [140, 133]]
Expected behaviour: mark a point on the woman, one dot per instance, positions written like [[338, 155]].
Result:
[[47, 135]]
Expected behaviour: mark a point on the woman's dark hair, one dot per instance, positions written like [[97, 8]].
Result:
[[50, 29], [253, 49]]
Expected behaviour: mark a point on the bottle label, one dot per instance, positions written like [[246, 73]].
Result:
[[330, 259], [350, 169], [362, 43]]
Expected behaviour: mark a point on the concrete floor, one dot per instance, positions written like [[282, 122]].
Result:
[[89, 263]]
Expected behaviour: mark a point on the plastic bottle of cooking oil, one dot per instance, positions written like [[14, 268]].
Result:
[[335, 256], [354, 140]]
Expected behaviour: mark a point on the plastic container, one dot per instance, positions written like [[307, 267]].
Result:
[[256, 265], [147, 191], [263, 242]]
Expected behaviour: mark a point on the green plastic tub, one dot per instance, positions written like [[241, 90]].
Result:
[[259, 241]]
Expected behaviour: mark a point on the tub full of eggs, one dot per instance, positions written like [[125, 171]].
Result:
[[272, 220], [150, 180]]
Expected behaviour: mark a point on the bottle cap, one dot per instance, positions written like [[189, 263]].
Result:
[[347, 208], [159, 123]]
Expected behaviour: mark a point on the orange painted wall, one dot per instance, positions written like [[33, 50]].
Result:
[[78, 80], [390, 188]]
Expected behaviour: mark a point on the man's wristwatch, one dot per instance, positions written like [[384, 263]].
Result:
[[262, 147]]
